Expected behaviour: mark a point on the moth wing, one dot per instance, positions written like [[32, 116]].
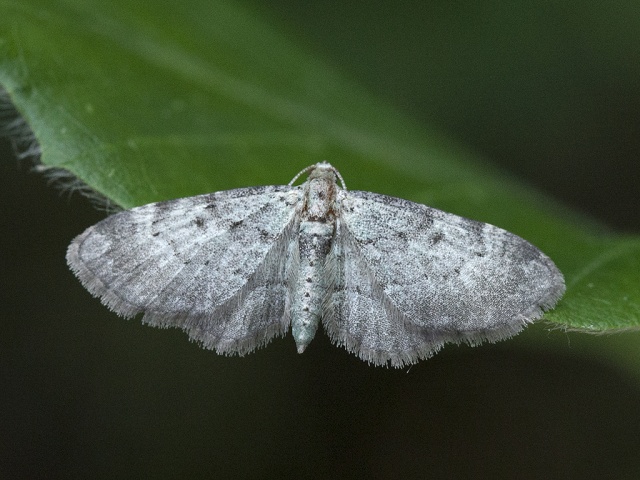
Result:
[[214, 265], [360, 317], [444, 277]]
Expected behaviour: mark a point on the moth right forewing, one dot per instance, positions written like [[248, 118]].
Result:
[[467, 280], [360, 317]]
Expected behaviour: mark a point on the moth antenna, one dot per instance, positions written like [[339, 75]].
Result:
[[300, 173], [344, 185]]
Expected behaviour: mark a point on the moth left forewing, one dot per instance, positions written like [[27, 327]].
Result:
[[466, 280], [213, 264]]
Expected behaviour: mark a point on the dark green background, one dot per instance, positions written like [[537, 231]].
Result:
[[548, 90]]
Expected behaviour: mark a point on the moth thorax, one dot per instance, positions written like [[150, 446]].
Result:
[[320, 196]]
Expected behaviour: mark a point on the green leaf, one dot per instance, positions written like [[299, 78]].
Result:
[[146, 101]]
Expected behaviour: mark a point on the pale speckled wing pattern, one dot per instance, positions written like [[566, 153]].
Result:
[[391, 280], [410, 278], [216, 265], [360, 317]]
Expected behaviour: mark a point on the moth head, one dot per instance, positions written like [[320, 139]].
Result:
[[321, 170]]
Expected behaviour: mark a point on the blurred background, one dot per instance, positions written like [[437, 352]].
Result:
[[549, 91]]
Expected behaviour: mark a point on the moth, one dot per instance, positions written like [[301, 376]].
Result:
[[390, 280]]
